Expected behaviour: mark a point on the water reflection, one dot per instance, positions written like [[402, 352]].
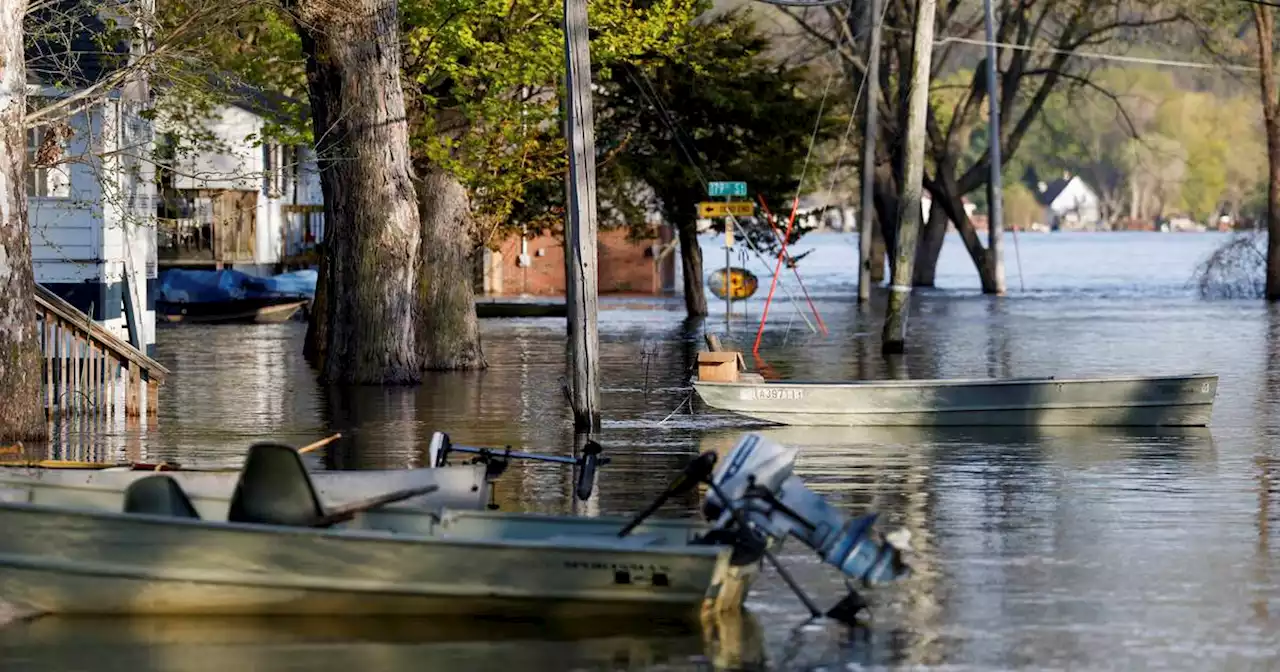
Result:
[[297, 643]]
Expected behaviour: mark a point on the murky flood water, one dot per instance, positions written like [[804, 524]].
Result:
[[1055, 548]]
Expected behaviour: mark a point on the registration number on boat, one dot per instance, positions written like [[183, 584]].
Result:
[[759, 393]]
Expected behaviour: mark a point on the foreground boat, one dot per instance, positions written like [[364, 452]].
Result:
[[458, 487], [1150, 401], [281, 551]]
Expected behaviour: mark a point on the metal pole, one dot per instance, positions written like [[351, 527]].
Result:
[[871, 128], [995, 188]]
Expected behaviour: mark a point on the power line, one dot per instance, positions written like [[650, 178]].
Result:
[[1104, 57]]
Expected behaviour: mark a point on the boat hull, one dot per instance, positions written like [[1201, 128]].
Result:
[[460, 487], [1174, 401], [62, 561], [240, 311]]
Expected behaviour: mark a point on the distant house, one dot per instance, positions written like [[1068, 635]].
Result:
[[1069, 203], [90, 188], [231, 198]]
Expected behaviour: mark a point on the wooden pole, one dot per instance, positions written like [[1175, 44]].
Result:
[[895, 324], [995, 188], [866, 223], [580, 227]]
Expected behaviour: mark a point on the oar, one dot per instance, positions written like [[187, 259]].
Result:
[[348, 511], [320, 444]]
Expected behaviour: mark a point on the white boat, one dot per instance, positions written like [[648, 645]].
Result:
[[460, 487], [279, 553], [1151, 401]]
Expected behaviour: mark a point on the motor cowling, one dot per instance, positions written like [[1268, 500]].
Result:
[[757, 480]]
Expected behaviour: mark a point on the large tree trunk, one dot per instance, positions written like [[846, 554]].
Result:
[[371, 211], [448, 331], [20, 358], [1264, 20], [930, 247], [695, 300]]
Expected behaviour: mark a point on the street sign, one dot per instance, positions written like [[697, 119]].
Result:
[[727, 189], [709, 209]]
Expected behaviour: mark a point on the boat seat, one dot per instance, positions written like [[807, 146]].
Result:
[[158, 495], [274, 488]]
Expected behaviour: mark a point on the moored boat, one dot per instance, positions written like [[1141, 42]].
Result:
[[1149, 401], [280, 551]]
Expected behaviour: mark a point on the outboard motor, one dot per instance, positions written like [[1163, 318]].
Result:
[[757, 480]]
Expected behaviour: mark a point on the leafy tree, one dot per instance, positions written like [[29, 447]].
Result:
[[722, 111], [485, 76]]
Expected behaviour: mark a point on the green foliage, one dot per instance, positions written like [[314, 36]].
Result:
[[246, 53], [483, 79], [1149, 146], [721, 111]]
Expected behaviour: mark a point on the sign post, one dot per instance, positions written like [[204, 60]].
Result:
[[728, 209]]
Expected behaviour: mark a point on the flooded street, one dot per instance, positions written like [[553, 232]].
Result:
[[1047, 548]]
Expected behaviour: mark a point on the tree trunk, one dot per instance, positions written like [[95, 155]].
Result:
[[894, 336], [944, 193], [695, 300], [930, 247], [371, 211], [20, 358], [448, 331], [1264, 21], [313, 346]]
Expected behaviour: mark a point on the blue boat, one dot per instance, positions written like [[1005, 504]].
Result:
[[232, 297]]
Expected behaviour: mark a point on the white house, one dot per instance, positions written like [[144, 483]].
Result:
[[1069, 204], [233, 198], [90, 182]]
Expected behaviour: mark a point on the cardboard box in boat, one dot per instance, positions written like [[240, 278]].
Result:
[[720, 367]]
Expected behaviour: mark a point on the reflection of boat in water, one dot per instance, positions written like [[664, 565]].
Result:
[[1071, 443], [224, 644]]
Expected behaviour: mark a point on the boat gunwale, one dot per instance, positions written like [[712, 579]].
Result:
[[955, 382], [984, 409], [562, 541]]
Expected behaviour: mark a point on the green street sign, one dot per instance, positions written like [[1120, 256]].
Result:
[[727, 189]]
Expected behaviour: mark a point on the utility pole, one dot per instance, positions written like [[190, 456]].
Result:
[[870, 130], [580, 225], [995, 186], [894, 338]]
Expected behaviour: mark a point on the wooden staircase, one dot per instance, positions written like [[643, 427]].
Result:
[[88, 370]]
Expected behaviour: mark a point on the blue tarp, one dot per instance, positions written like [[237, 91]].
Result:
[[182, 286]]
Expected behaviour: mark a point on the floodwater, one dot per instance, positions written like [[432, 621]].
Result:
[[1058, 548]]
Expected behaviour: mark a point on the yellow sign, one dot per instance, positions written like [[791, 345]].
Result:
[[708, 209]]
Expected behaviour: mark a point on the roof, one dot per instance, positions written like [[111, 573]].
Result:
[[1052, 190], [68, 45]]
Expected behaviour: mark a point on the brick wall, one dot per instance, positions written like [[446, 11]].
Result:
[[625, 266]]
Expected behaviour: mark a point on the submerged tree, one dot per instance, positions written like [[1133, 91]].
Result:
[[20, 370], [1044, 36], [371, 210]]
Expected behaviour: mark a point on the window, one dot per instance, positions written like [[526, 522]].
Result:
[[48, 175]]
